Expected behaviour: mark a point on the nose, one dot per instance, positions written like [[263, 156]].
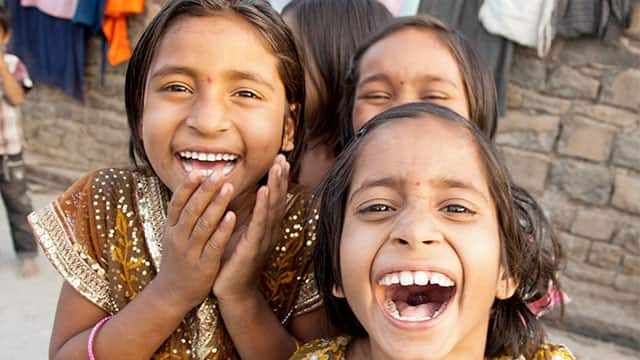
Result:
[[417, 228], [208, 114]]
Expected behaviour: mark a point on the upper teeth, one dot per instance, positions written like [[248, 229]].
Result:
[[207, 156], [408, 278]]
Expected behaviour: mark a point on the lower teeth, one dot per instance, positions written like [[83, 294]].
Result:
[[390, 305]]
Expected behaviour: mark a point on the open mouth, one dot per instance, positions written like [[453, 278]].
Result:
[[207, 163], [416, 296]]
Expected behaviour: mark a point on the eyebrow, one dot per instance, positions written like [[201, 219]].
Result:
[[389, 181], [173, 69], [435, 78], [247, 75], [440, 182], [427, 77], [373, 78]]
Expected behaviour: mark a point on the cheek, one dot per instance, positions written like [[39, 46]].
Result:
[[361, 114]]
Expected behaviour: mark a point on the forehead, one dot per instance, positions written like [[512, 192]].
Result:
[[223, 39], [424, 149], [412, 51]]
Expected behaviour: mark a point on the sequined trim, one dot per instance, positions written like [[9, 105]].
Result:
[[206, 314], [308, 298], [78, 269], [152, 213]]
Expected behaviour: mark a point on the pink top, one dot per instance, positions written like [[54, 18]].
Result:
[[64, 9]]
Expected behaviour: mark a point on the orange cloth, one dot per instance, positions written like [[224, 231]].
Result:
[[115, 27]]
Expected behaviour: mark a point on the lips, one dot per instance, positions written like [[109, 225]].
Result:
[[208, 163], [416, 296]]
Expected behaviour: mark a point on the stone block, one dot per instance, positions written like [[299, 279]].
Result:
[[586, 140], [575, 248], [583, 181], [628, 283], [546, 104], [606, 256], [528, 131], [631, 265], [527, 169], [570, 83], [629, 238], [529, 72], [624, 89], [585, 51], [626, 195], [604, 113], [594, 224], [585, 272], [626, 150], [515, 96]]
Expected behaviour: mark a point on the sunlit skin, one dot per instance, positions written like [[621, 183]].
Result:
[[410, 65], [421, 205]]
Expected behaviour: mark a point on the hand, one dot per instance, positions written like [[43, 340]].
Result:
[[239, 275], [195, 236]]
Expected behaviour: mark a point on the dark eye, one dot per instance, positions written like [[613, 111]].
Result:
[[176, 88], [247, 94], [457, 209], [431, 97], [376, 208]]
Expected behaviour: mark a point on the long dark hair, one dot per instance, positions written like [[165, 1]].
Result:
[[267, 22], [476, 77], [330, 31], [529, 256]]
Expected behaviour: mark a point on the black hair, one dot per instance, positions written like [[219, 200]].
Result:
[[329, 33], [259, 13], [529, 256], [476, 77]]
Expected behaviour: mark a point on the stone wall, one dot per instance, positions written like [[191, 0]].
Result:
[[572, 137]]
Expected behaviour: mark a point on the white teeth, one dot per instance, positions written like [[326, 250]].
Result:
[[202, 157], [406, 278], [421, 278], [218, 157], [227, 168], [211, 157], [187, 166], [207, 156]]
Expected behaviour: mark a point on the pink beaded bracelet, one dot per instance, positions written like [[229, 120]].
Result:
[[93, 335]]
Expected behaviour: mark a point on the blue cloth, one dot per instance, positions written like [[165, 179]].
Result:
[[90, 13], [52, 49]]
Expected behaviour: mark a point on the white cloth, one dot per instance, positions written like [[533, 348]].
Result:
[[528, 23]]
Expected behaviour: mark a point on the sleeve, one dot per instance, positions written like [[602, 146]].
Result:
[[21, 75], [66, 231]]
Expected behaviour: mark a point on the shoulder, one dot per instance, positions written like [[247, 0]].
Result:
[[553, 352], [329, 349]]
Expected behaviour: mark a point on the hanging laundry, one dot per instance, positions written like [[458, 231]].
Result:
[[529, 23], [63, 9], [116, 30], [402, 7], [601, 18], [53, 49], [495, 51], [91, 14]]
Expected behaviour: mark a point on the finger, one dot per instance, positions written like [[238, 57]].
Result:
[[198, 202], [214, 248], [208, 222], [181, 196], [257, 226]]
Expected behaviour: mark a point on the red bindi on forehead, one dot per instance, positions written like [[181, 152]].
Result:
[[418, 183], [209, 80]]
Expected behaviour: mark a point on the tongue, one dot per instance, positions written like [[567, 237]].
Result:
[[422, 310]]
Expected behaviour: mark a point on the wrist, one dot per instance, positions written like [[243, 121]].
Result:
[[167, 300], [246, 300]]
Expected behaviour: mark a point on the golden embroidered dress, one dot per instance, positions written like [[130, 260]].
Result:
[[104, 237], [336, 349]]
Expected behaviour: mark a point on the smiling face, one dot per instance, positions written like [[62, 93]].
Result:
[[214, 102], [420, 246], [410, 65]]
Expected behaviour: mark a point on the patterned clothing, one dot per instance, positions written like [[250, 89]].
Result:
[[336, 349], [10, 121], [104, 236]]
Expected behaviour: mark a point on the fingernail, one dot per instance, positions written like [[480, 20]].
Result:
[[278, 171], [228, 216]]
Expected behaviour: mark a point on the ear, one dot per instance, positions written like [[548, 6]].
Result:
[[506, 285], [288, 136], [337, 292]]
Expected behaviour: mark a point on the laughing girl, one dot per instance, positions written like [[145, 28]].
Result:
[[420, 254]]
